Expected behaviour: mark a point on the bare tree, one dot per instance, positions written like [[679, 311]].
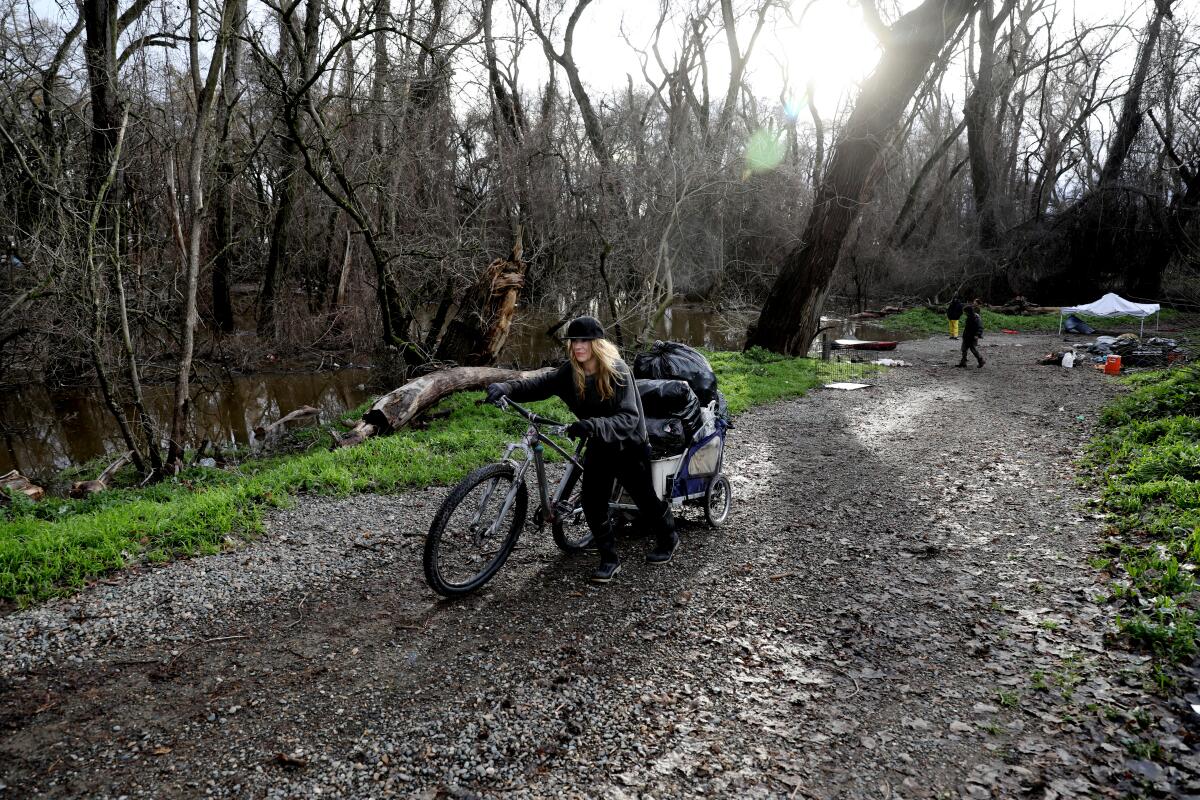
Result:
[[204, 91], [791, 315]]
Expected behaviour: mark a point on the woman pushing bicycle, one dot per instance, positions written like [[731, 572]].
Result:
[[599, 389]]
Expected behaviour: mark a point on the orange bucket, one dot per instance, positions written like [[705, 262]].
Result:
[[1112, 365]]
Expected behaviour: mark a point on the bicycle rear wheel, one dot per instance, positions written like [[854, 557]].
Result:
[[474, 531], [570, 528]]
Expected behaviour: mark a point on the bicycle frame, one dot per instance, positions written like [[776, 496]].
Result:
[[533, 444]]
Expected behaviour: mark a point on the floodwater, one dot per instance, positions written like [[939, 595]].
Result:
[[44, 429], [529, 345]]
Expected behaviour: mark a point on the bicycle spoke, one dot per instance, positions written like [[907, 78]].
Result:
[[475, 532]]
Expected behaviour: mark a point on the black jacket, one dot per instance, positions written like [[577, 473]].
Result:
[[954, 310], [974, 328], [618, 420]]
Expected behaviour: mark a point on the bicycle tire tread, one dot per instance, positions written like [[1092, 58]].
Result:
[[442, 518]]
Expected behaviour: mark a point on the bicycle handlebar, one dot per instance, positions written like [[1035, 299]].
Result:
[[535, 419]]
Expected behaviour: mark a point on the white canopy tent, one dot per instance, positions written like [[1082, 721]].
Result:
[[1113, 305]]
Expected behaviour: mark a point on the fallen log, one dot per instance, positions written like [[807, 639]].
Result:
[[19, 483], [401, 406], [88, 488], [266, 435]]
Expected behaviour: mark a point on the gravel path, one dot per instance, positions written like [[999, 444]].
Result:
[[900, 606]]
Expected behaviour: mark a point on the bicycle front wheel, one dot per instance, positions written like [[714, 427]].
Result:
[[475, 530]]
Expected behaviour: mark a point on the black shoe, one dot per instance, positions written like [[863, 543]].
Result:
[[980, 365], [662, 554], [605, 572], [961, 364]]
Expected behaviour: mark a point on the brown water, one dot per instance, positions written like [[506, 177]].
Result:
[[529, 346], [44, 429]]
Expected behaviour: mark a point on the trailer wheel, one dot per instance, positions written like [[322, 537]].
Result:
[[717, 500]]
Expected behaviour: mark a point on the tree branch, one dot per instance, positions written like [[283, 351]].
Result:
[[875, 22], [166, 40]]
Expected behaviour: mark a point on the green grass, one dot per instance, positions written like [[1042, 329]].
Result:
[[1148, 460], [922, 320], [757, 377], [56, 546]]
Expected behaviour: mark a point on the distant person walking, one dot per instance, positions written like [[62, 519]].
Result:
[[972, 333], [954, 313]]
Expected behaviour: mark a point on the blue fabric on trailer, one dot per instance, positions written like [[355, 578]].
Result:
[[684, 484]]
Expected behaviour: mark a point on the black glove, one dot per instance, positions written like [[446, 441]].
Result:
[[579, 429], [495, 391]]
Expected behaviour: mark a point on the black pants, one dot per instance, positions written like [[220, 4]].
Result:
[[969, 345], [603, 465]]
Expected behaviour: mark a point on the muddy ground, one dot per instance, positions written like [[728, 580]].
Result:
[[903, 604]]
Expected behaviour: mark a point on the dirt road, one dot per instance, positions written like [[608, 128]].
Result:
[[901, 606]]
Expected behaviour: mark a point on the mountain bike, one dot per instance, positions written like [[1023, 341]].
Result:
[[480, 521]]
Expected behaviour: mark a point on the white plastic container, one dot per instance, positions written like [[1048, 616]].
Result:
[[1068, 359], [663, 472]]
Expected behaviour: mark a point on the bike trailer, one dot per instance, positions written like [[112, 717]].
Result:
[[693, 476]]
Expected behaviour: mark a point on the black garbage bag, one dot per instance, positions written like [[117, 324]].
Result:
[[666, 436], [1125, 344], [662, 399], [1073, 324], [675, 361]]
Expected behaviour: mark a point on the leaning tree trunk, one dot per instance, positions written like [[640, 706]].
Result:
[[791, 315], [401, 406], [1113, 231], [1132, 113]]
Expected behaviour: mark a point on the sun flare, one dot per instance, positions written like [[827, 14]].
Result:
[[831, 48]]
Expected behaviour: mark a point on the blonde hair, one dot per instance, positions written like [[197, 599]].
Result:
[[606, 355]]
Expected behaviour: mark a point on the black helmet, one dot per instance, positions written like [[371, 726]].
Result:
[[585, 328]]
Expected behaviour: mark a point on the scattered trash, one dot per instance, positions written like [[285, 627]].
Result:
[[1073, 324], [891, 362], [1068, 359], [1153, 352], [1103, 345], [1009, 331], [1112, 365], [1147, 357], [208, 462], [849, 387], [862, 344]]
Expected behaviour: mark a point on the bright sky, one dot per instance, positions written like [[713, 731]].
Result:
[[831, 46]]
